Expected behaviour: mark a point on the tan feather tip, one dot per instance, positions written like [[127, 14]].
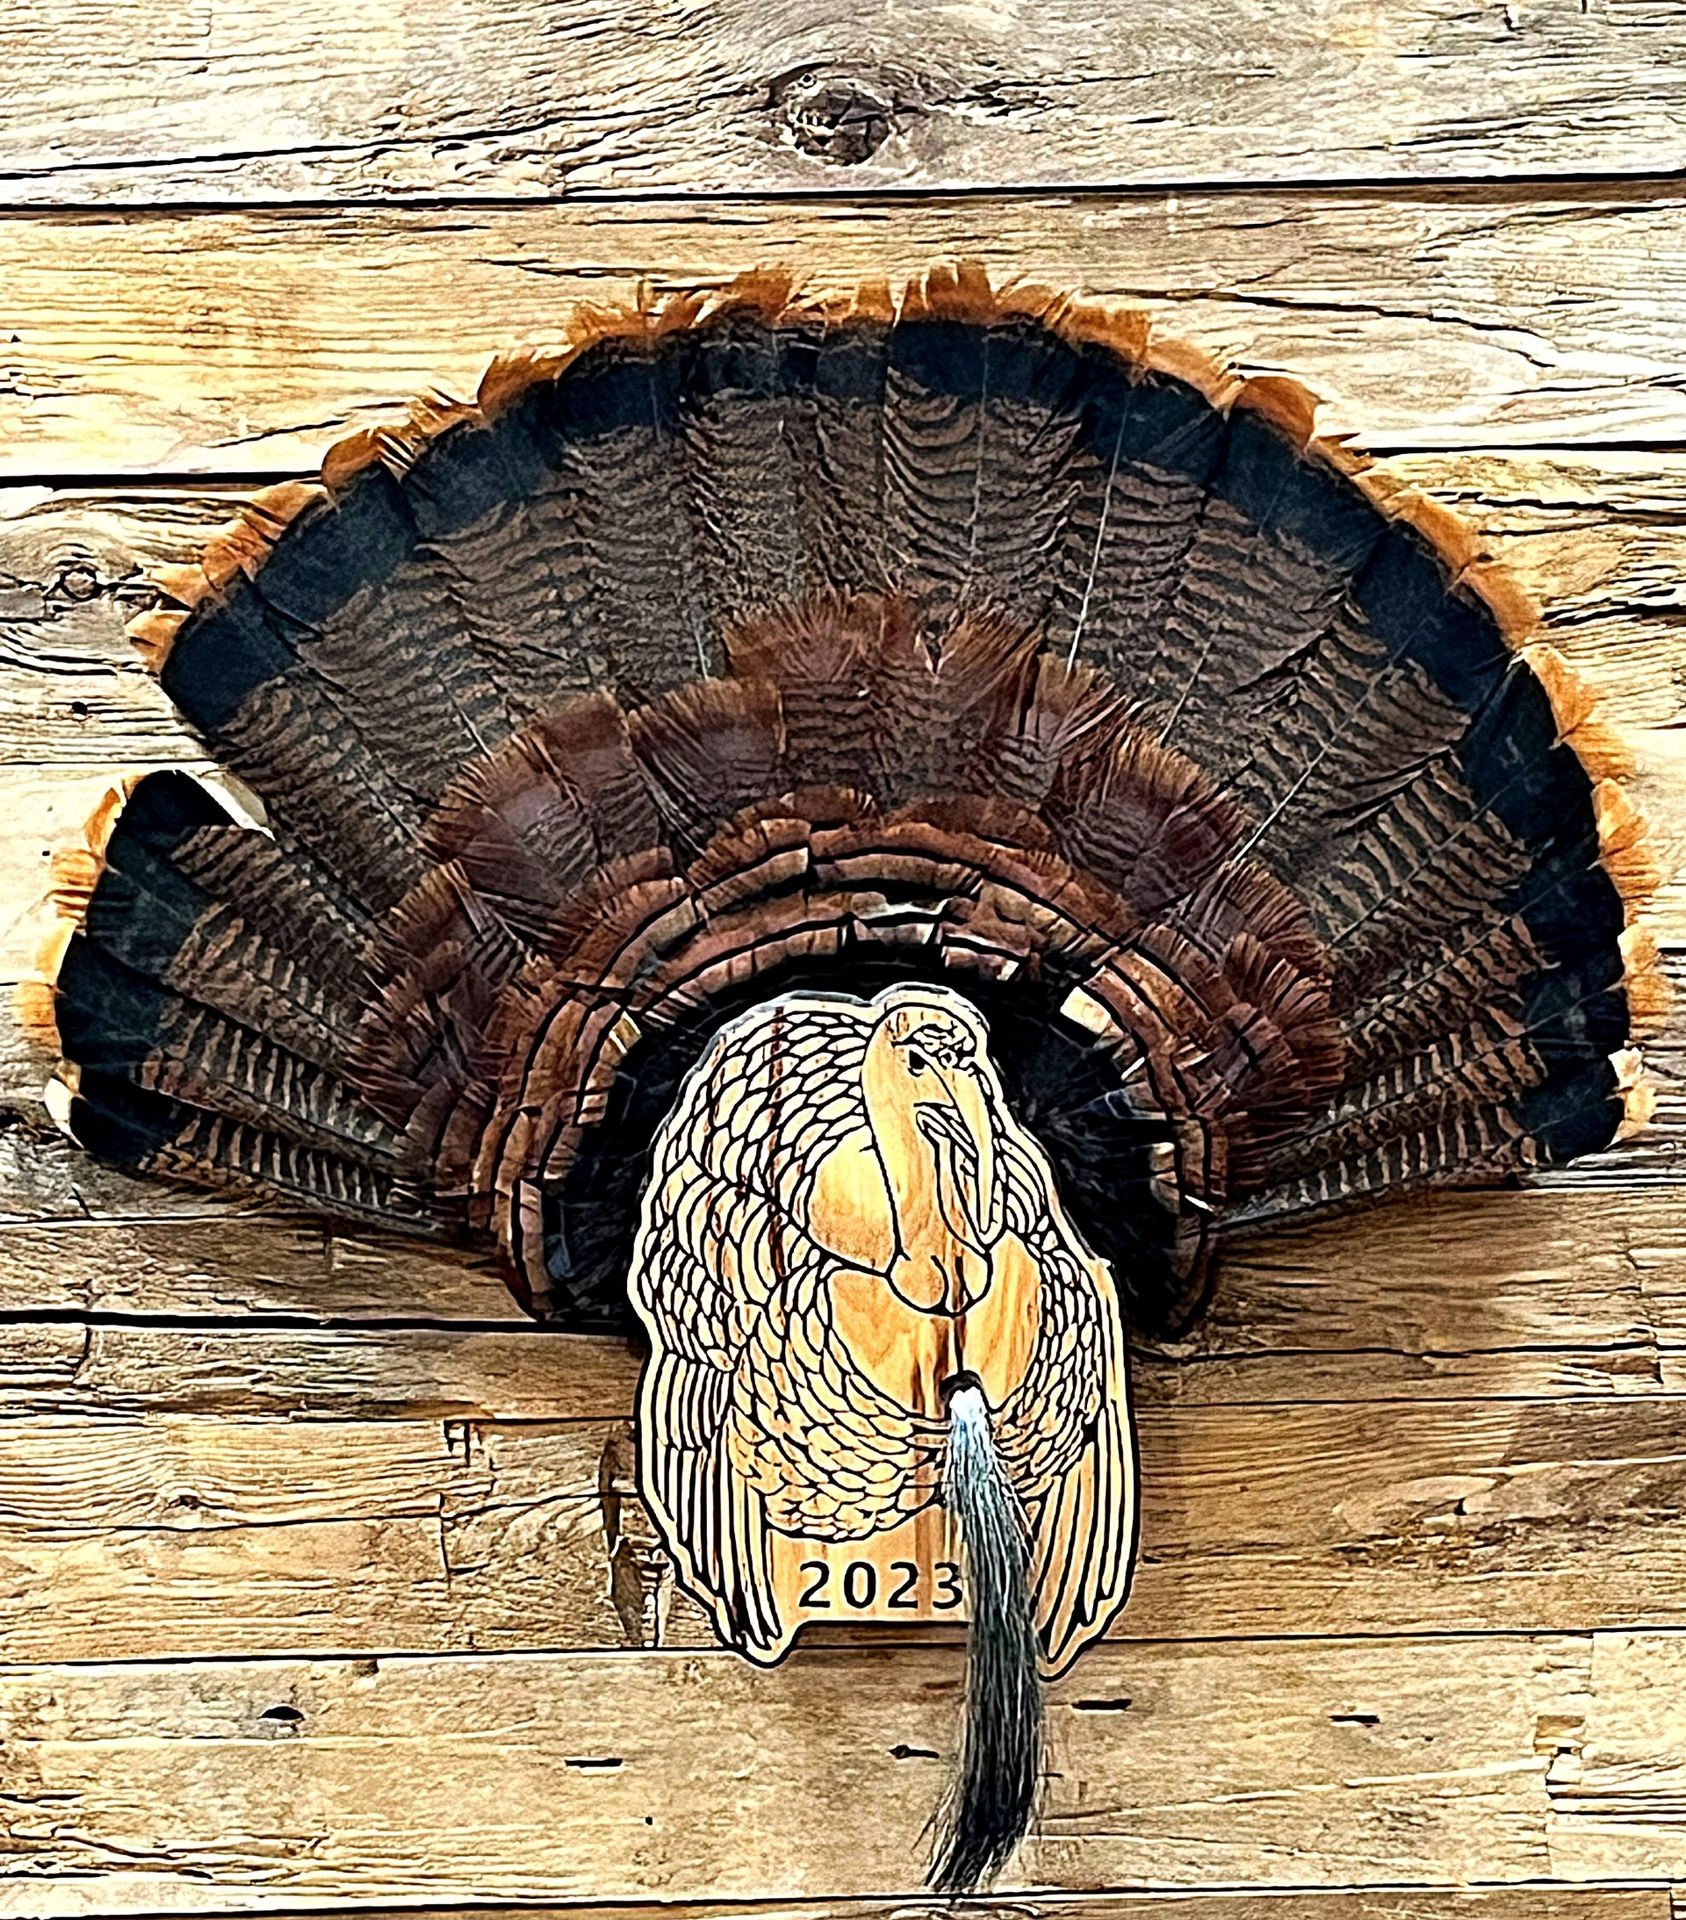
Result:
[[353, 455], [271, 510], [1287, 405], [871, 300], [1650, 995], [34, 1000], [1341, 451], [1628, 1064], [428, 415], [1512, 606], [1572, 696], [510, 375], [648, 316], [1125, 331], [236, 799], [153, 633], [655, 315], [1460, 546], [241, 546], [1032, 300], [1639, 1108], [1621, 825], [1445, 529], [771, 293], [186, 584], [245, 543], [73, 873], [954, 290], [1638, 1091], [76, 866], [58, 1093], [1624, 845], [1214, 379], [1602, 750]]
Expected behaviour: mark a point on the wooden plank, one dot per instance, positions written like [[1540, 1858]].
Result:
[[627, 97], [1572, 1294], [230, 1265], [1457, 317], [187, 1536], [181, 1536], [1613, 1782], [1535, 1902], [72, 573], [78, 1237], [251, 1786], [234, 1367], [1487, 1295]]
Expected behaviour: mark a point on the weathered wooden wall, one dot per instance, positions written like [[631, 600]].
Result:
[[320, 1582]]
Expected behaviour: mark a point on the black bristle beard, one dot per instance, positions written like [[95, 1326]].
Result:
[[998, 1769]]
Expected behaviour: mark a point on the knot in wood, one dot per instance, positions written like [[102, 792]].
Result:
[[838, 117]]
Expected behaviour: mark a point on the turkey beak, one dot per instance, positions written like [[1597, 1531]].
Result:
[[980, 1182]]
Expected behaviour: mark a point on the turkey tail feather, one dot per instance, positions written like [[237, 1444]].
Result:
[[748, 644], [748, 640]]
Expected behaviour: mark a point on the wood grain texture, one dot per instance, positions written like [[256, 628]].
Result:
[[1577, 1293], [1480, 317], [242, 103], [1242, 1765], [1533, 1902], [172, 1534]]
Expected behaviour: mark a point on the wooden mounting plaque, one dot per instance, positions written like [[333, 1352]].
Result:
[[842, 1217]]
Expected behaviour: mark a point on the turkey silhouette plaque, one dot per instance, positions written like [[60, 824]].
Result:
[[845, 1234]]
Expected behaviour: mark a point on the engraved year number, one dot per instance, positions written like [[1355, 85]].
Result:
[[859, 1585]]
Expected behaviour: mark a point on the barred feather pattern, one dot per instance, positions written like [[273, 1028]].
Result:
[[749, 643]]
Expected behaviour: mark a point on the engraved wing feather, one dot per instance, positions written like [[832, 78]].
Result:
[[1064, 1434], [754, 1412]]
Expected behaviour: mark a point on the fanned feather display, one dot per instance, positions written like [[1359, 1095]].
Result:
[[749, 644]]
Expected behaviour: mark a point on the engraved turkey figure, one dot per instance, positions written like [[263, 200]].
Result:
[[844, 1223]]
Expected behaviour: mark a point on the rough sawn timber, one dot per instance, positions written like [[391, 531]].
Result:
[[1233, 1764], [542, 98], [1474, 317]]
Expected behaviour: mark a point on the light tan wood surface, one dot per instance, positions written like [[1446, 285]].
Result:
[[244, 341], [541, 98], [323, 1580]]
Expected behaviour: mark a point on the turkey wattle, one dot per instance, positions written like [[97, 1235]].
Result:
[[750, 647]]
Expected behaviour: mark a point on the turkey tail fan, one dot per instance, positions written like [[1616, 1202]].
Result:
[[748, 643]]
